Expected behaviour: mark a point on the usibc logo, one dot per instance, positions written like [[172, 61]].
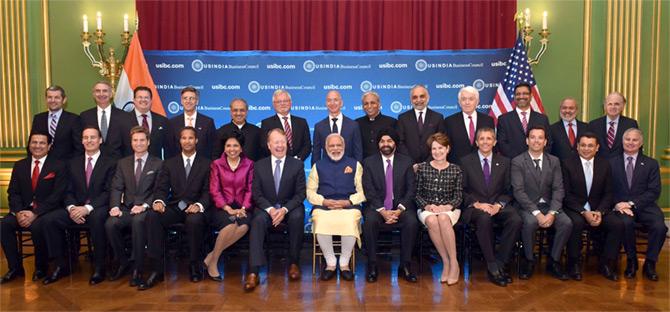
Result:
[[197, 65]]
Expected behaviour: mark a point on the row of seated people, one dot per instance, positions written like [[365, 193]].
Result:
[[144, 194]]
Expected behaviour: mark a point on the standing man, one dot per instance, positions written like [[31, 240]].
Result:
[[295, 128], [637, 186], [513, 126], [461, 127], [114, 124], [537, 184], [252, 134], [564, 133], [389, 186], [278, 198], [417, 125], [340, 124], [373, 122], [155, 123], [487, 197], [203, 124], [132, 194], [86, 202], [63, 126], [610, 128], [35, 191]]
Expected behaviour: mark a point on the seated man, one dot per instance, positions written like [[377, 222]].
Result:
[[335, 190], [390, 187], [486, 200], [35, 191], [637, 186], [182, 195], [538, 190]]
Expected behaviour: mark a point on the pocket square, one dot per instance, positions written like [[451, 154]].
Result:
[[50, 176], [348, 169], [150, 172]]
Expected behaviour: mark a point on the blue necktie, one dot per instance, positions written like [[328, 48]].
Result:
[[277, 175]]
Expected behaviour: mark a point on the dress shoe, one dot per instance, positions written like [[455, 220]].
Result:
[[135, 278], [153, 279], [38, 275], [371, 277], [575, 271], [195, 272], [347, 275], [526, 269], [120, 272], [496, 278], [505, 273], [608, 271], [56, 275], [405, 272], [649, 270], [251, 282], [631, 268], [12, 274], [327, 275], [554, 268], [294, 272], [97, 277]]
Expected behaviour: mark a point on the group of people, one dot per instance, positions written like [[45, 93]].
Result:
[[140, 173]]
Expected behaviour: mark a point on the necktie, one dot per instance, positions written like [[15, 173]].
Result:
[[610, 135], [487, 172], [420, 121], [537, 165], [289, 133], [36, 174], [335, 130], [145, 122], [89, 170], [104, 126], [277, 175], [629, 171], [524, 122], [571, 135], [471, 129], [188, 167], [588, 174], [52, 125], [138, 171], [190, 121], [388, 198]]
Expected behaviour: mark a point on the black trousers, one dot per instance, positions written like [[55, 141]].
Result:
[[652, 220], [157, 223], [8, 227], [115, 228], [611, 226], [60, 220], [374, 223], [510, 221], [260, 224]]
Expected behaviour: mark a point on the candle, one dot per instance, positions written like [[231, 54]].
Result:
[[544, 20], [125, 22], [85, 23], [527, 17], [98, 19]]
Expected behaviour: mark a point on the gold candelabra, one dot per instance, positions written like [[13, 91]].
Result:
[[109, 64], [523, 27]]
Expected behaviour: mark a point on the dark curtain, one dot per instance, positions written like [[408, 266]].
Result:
[[300, 25]]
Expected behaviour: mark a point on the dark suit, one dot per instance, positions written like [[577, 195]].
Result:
[[96, 194], [599, 199], [66, 142], [369, 129], [46, 199], [160, 134], [498, 191], [599, 127], [253, 140], [291, 195], [644, 191], [204, 126], [456, 129], [529, 187], [512, 138], [172, 188], [413, 141], [117, 143], [302, 144], [404, 191], [124, 186], [350, 133], [561, 146]]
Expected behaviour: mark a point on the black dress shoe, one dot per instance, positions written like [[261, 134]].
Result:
[[505, 273], [135, 278], [631, 268], [554, 268], [195, 272], [649, 270], [12, 274], [153, 279], [371, 277], [405, 272], [97, 277], [327, 275], [526, 269], [575, 271], [38, 275], [347, 275], [120, 272], [608, 271], [496, 278], [56, 275]]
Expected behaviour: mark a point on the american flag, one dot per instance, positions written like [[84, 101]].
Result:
[[518, 70]]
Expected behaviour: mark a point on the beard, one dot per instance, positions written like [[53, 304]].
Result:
[[334, 157], [387, 150]]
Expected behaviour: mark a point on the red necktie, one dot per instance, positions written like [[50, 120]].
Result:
[[472, 131], [145, 123], [571, 135], [524, 122], [289, 133], [36, 174]]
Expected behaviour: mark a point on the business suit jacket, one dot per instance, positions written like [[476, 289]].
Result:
[[66, 142], [374, 182], [292, 185], [370, 129], [48, 194], [529, 186], [97, 192], [474, 187], [173, 186], [413, 142], [302, 144], [253, 140], [646, 186], [560, 146], [205, 129], [512, 138], [456, 130], [117, 144], [599, 126], [124, 183], [600, 198], [160, 134], [350, 132]]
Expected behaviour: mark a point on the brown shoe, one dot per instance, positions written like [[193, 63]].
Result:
[[294, 272], [252, 281]]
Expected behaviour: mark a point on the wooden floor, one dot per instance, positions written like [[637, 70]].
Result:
[[277, 293]]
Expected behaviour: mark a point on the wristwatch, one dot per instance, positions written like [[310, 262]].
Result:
[[632, 204]]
